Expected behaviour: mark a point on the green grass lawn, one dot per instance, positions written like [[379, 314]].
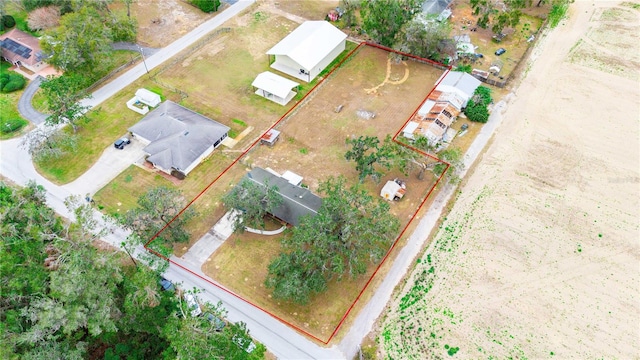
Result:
[[9, 110], [20, 15]]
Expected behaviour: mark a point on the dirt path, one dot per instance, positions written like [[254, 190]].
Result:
[[539, 255]]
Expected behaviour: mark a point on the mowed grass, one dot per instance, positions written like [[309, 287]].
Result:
[[9, 107]]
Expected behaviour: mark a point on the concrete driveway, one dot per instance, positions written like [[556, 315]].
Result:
[[112, 162]]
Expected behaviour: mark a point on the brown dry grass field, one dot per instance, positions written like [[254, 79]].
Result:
[[241, 263], [308, 9], [538, 257], [162, 22]]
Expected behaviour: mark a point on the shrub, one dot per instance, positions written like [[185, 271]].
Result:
[[123, 28], [482, 95], [8, 21], [476, 112], [464, 68], [12, 82], [206, 5], [4, 79], [11, 125]]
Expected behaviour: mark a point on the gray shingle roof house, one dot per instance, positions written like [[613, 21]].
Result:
[[296, 201], [178, 138]]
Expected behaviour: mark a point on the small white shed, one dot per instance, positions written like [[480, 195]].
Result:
[[274, 87], [392, 191], [410, 130], [148, 97]]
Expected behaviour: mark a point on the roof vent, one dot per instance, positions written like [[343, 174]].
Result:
[[186, 133]]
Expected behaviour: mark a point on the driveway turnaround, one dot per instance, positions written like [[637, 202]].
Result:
[[24, 104], [112, 162]]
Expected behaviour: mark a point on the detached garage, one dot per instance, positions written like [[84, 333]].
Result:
[[309, 49], [274, 87]]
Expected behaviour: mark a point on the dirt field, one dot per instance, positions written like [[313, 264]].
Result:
[[160, 22], [312, 145], [539, 256]]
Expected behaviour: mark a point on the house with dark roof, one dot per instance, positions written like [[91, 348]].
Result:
[[177, 138], [296, 200], [22, 50]]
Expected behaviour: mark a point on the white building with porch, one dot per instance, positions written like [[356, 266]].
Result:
[[274, 87], [309, 49]]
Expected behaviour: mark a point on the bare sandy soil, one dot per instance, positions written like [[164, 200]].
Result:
[[539, 256], [160, 22]]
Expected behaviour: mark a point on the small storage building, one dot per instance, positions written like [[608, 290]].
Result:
[[274, 87]]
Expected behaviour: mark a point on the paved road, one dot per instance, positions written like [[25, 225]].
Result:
[[284, 342], [164, 54], [16, 165], [24, 104]]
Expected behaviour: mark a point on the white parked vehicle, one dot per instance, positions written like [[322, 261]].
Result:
[[192, 304]]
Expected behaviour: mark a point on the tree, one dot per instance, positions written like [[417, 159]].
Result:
[[122, 28], [383, 19], [454, 157], [64, 298], [128, 4], [351, 230], [366, 152], [81, 41], [350, 7], [406, 159], [45, 143], [206, 5], [254, 201], [63, 95], [422, 35], [498, 17], [476, 109], [44, 18], [160, 208]]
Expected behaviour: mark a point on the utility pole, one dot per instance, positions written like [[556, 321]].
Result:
[[143, 59]]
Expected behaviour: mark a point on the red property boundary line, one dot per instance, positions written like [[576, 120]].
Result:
[[387, 254]]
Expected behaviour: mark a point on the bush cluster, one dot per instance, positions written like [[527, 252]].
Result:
[[476, 109], [7, 22], [10, 82], [206, 5]]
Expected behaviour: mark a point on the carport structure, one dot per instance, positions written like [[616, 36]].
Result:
[[274, 87]]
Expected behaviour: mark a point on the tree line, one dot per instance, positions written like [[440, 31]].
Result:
[[63, 297]]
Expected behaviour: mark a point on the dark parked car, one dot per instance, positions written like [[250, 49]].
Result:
[[501, 51], [167, 285], [218, 324], [121, 143]]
